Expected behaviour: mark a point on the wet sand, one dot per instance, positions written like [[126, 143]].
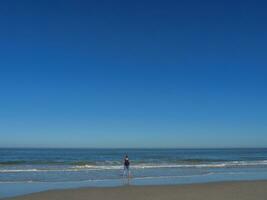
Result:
[[242, 190]]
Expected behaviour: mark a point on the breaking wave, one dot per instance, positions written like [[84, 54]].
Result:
[[110, 166]]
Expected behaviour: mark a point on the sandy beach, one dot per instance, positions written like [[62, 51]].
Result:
[[243, 190]]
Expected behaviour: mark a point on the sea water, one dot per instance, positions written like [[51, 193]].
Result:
[[29, 170]]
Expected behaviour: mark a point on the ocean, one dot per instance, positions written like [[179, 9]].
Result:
[[29, 170]]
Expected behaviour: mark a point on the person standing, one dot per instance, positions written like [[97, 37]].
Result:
[[127, 167]]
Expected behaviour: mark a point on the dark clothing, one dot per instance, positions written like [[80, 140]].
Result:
[[126, 168], [126, 163]]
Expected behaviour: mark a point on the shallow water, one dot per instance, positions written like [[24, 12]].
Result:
[[29, 170]]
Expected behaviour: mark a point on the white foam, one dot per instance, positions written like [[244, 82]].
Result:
[[145, 166]]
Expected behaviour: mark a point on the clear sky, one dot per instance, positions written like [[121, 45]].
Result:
[[133, 73]]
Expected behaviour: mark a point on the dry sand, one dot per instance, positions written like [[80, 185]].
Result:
[[244, 190]]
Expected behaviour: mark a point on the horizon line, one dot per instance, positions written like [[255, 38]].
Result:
[[133, 147]]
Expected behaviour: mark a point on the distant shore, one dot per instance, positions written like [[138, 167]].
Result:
[[236, 190]]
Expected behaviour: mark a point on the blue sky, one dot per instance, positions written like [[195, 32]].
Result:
[[133, 74]]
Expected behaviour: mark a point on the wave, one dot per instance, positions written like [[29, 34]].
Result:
[[207, 165], [230, 164], [107, 162], [56, 162], [19, 162], [35, 162]]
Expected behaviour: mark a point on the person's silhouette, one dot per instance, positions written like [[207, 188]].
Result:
[[127, 167]]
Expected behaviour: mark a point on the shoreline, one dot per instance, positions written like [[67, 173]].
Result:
[[236, 190]]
